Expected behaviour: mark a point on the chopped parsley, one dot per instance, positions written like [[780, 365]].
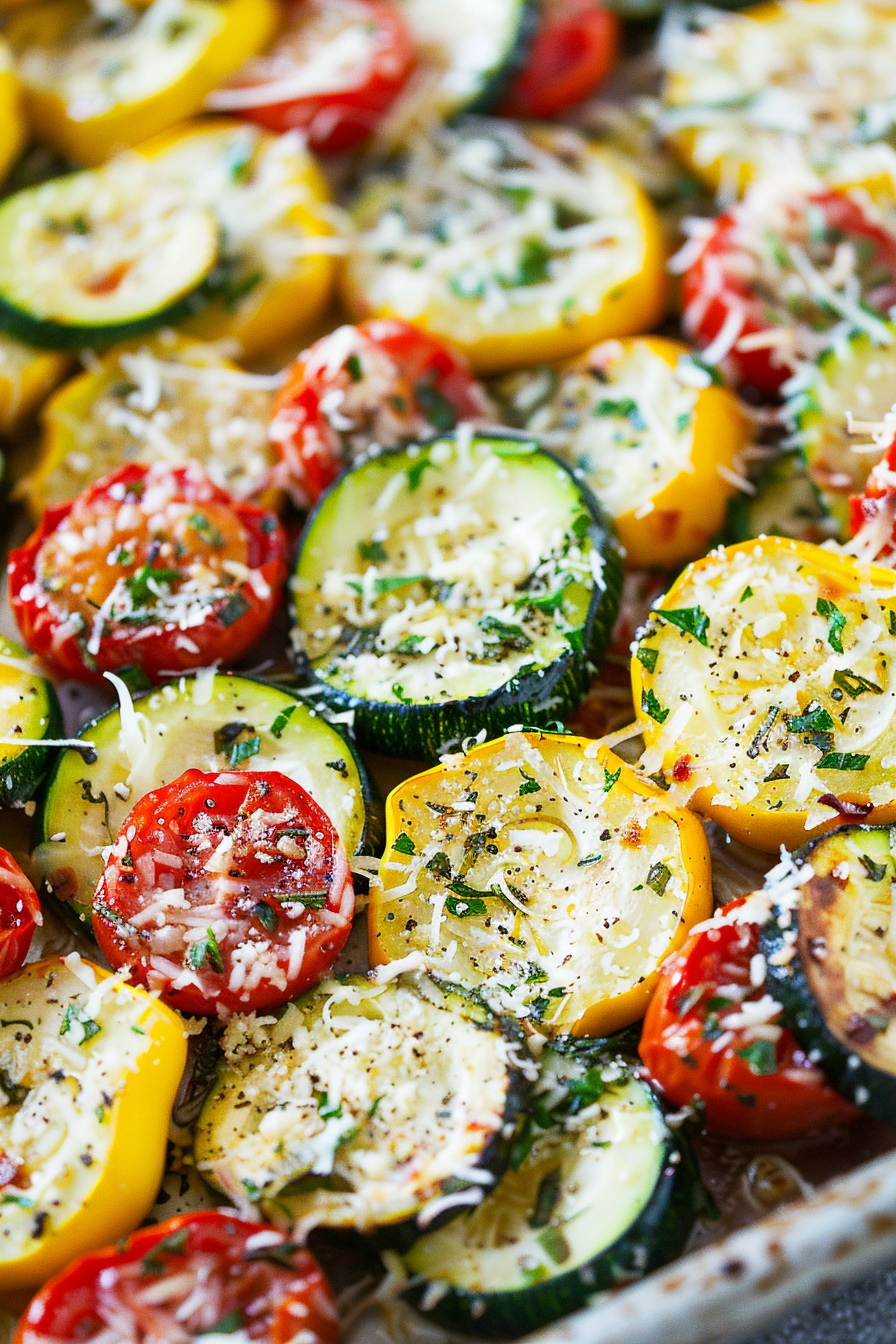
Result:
[[836, 622], [652, 707], [692, 620]]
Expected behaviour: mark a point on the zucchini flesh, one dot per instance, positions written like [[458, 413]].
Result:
[[475, 46], [29, 710], [833, 967], [452, 587], [368, 1106], [99, 256], [597, 1200], [787, 503], [258, 727]]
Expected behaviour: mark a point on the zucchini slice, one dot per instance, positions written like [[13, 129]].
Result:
[[467, 584], [29, 713], [857, 377], [167, 397], [597, 1197], [372, 1106], [787, 503], [764, 683], [207, 722], [829, 950], [544, 875], [99, 256]]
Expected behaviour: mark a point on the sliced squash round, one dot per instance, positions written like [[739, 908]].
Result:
[[543, 873], [461, 586], [12, 120], [516, 245], [786, 503], [764, 682], [27, 376], [29, 714], [384, 1105], [99, 256]]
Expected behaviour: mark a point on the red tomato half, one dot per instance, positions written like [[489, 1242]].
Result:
[[334, 71], [153, 567], [872, 515], [574, 49], [19, 915], [384, 382], [223, 1274], [747, 287], [228, 890], [752, 1078]]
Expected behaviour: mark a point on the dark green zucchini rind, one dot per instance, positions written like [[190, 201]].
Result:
[[49, 335], [558, 1227], [538, 690], [419, 1093], [31, 711], [842, 920], [496, 81], [787, 503]]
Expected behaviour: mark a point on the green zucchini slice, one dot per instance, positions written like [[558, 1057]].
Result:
[[829, 949], [99, 256], [857, 377], [372, 1105], [461, 586], [597, 1196], [787, 503], [29, 714], [205, 722]]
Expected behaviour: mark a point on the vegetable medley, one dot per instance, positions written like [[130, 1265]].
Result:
[[385, 401]]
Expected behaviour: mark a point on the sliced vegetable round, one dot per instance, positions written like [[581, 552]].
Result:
[[373, 1105], [826, 946], [168, 397], [212, 722], [100, 256], [763, 682], [517, 246], [225, 891], [651, 435], [275, 273], [856, 378], [383, 383], [714, 1037], [543, 873], [332, 73], [95, 83], [13, 134], [19, 915], [90, 1071], [574, 49], [786, 503], [226, 1276], [29, 714], [598, 1196], [460, 586], [27, 377]]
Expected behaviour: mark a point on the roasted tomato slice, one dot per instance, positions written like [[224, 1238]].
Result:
[[772, 277], [336, 68], [872, 515], [574, 49], [153, 567], [225, 890], [199, 1275], [713, 1033], [19, 915], [382, 383]]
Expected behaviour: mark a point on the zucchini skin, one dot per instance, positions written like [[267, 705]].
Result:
[[22, 778], [424, 732], [49, 335], [499, 78]]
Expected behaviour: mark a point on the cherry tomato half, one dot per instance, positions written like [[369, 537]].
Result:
[[574, 49], [872, 515], [153, 567], [751, 285], [383, 382], [225, 889], [201, 1274], [334, 71], [750, 1075], [19, 915]]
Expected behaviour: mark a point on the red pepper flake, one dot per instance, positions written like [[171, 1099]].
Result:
[[681, 770]]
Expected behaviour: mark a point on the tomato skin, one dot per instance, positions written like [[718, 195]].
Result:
[[250, 965], [19, 915], [403, 359], [574, 49], [677, 1047], [275, 1296], [338, 119], [157, 648], [878, 497]]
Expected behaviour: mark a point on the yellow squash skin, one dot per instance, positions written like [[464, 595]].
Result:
[[114, 1192], [236, 30], [595, 906], [13, 131], [717, 698], [27, 376]]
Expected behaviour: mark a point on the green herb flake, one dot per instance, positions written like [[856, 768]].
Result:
[[652, 707], [210, 534], [658, 878], [267, 917], [554, 1244], [404, 844], [761, 1057], [352, 367], [747, 592], [589, 858], [374, 552], [611, 779], [854, 685], [282, 719], [233, 610], [647, 658], [814, 719], [205, 950], [876, 871], [692, 620], [75, 1016], [836, 622], [528, 785], [415, 472], [843, 760]]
